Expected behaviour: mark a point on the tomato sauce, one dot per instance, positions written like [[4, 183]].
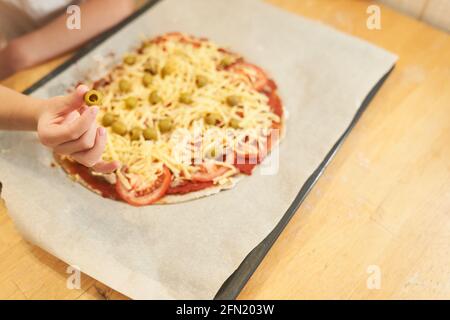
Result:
[[269, 89], [189, 186], [106, 189]]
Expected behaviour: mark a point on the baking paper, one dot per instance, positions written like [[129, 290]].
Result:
[[187, 250]]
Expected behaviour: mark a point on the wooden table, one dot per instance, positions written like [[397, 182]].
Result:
[[382, 208]]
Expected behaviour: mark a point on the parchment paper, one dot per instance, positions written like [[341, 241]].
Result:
[[188, 250]]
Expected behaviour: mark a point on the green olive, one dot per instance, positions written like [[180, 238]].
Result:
[[93, 98], [201, 81], [185, 98], [165, 125], [124, 85], [108, 119], [135, 133], [119, 128], [147, 79], [212, 153], [151, 66], [154, 98], [233, 101], [130, 59], [234, 124], [150, 134], [168, 69], [131, 102], [147, 44], [226, 61], [212, 118]]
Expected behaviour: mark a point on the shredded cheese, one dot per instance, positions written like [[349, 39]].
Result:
[[191, 136]]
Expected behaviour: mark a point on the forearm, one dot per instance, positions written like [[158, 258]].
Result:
[[55, 38], [18, 111]]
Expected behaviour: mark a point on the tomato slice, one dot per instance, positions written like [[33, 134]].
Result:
[[275, 103], [147, 196], [245, 168], [208, 172], [255, 74], [246, 161]]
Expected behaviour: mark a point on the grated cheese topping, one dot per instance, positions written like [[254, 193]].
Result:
[[192, 141]]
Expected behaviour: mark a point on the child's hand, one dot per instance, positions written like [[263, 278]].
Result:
[[69, 128]]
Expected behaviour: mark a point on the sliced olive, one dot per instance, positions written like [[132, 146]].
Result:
[[201, 81], [131, 102], [147, 79], [168, 69], [108, 119], [130, 59], [154, 98], [119, 128], [233, 101], [212, 153], [93, 98], [212, 118], [165, 125], [226, 61], [185, 98], [234, 124], [135, 133], [124, 85], [150, 134], [151, 66]]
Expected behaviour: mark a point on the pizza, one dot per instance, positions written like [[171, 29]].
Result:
[[186, 118]]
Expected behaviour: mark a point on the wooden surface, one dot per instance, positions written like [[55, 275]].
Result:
[[383, 203]]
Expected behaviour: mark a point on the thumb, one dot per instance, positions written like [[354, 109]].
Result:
[[73, 101]]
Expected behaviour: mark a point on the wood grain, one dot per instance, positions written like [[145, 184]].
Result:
[[384, 200]]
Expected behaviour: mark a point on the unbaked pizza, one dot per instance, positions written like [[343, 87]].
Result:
[[185, 119]]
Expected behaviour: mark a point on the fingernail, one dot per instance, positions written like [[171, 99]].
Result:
[[101, 131], [82, 88], [94, 110]]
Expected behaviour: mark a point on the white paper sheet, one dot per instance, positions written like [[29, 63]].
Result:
[[188, 250]]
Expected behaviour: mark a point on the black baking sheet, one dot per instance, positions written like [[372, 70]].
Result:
[[234, 284]]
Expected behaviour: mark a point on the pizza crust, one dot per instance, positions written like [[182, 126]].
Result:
[[177, 198]]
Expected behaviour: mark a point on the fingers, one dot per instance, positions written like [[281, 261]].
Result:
[[69, 127], [83, 109], [85, 142], [91, 157], [54, 134], [106, 167], [71, 117], [88, 150], [73, 101]]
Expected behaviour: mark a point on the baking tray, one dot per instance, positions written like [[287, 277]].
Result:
[[234, 284]]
